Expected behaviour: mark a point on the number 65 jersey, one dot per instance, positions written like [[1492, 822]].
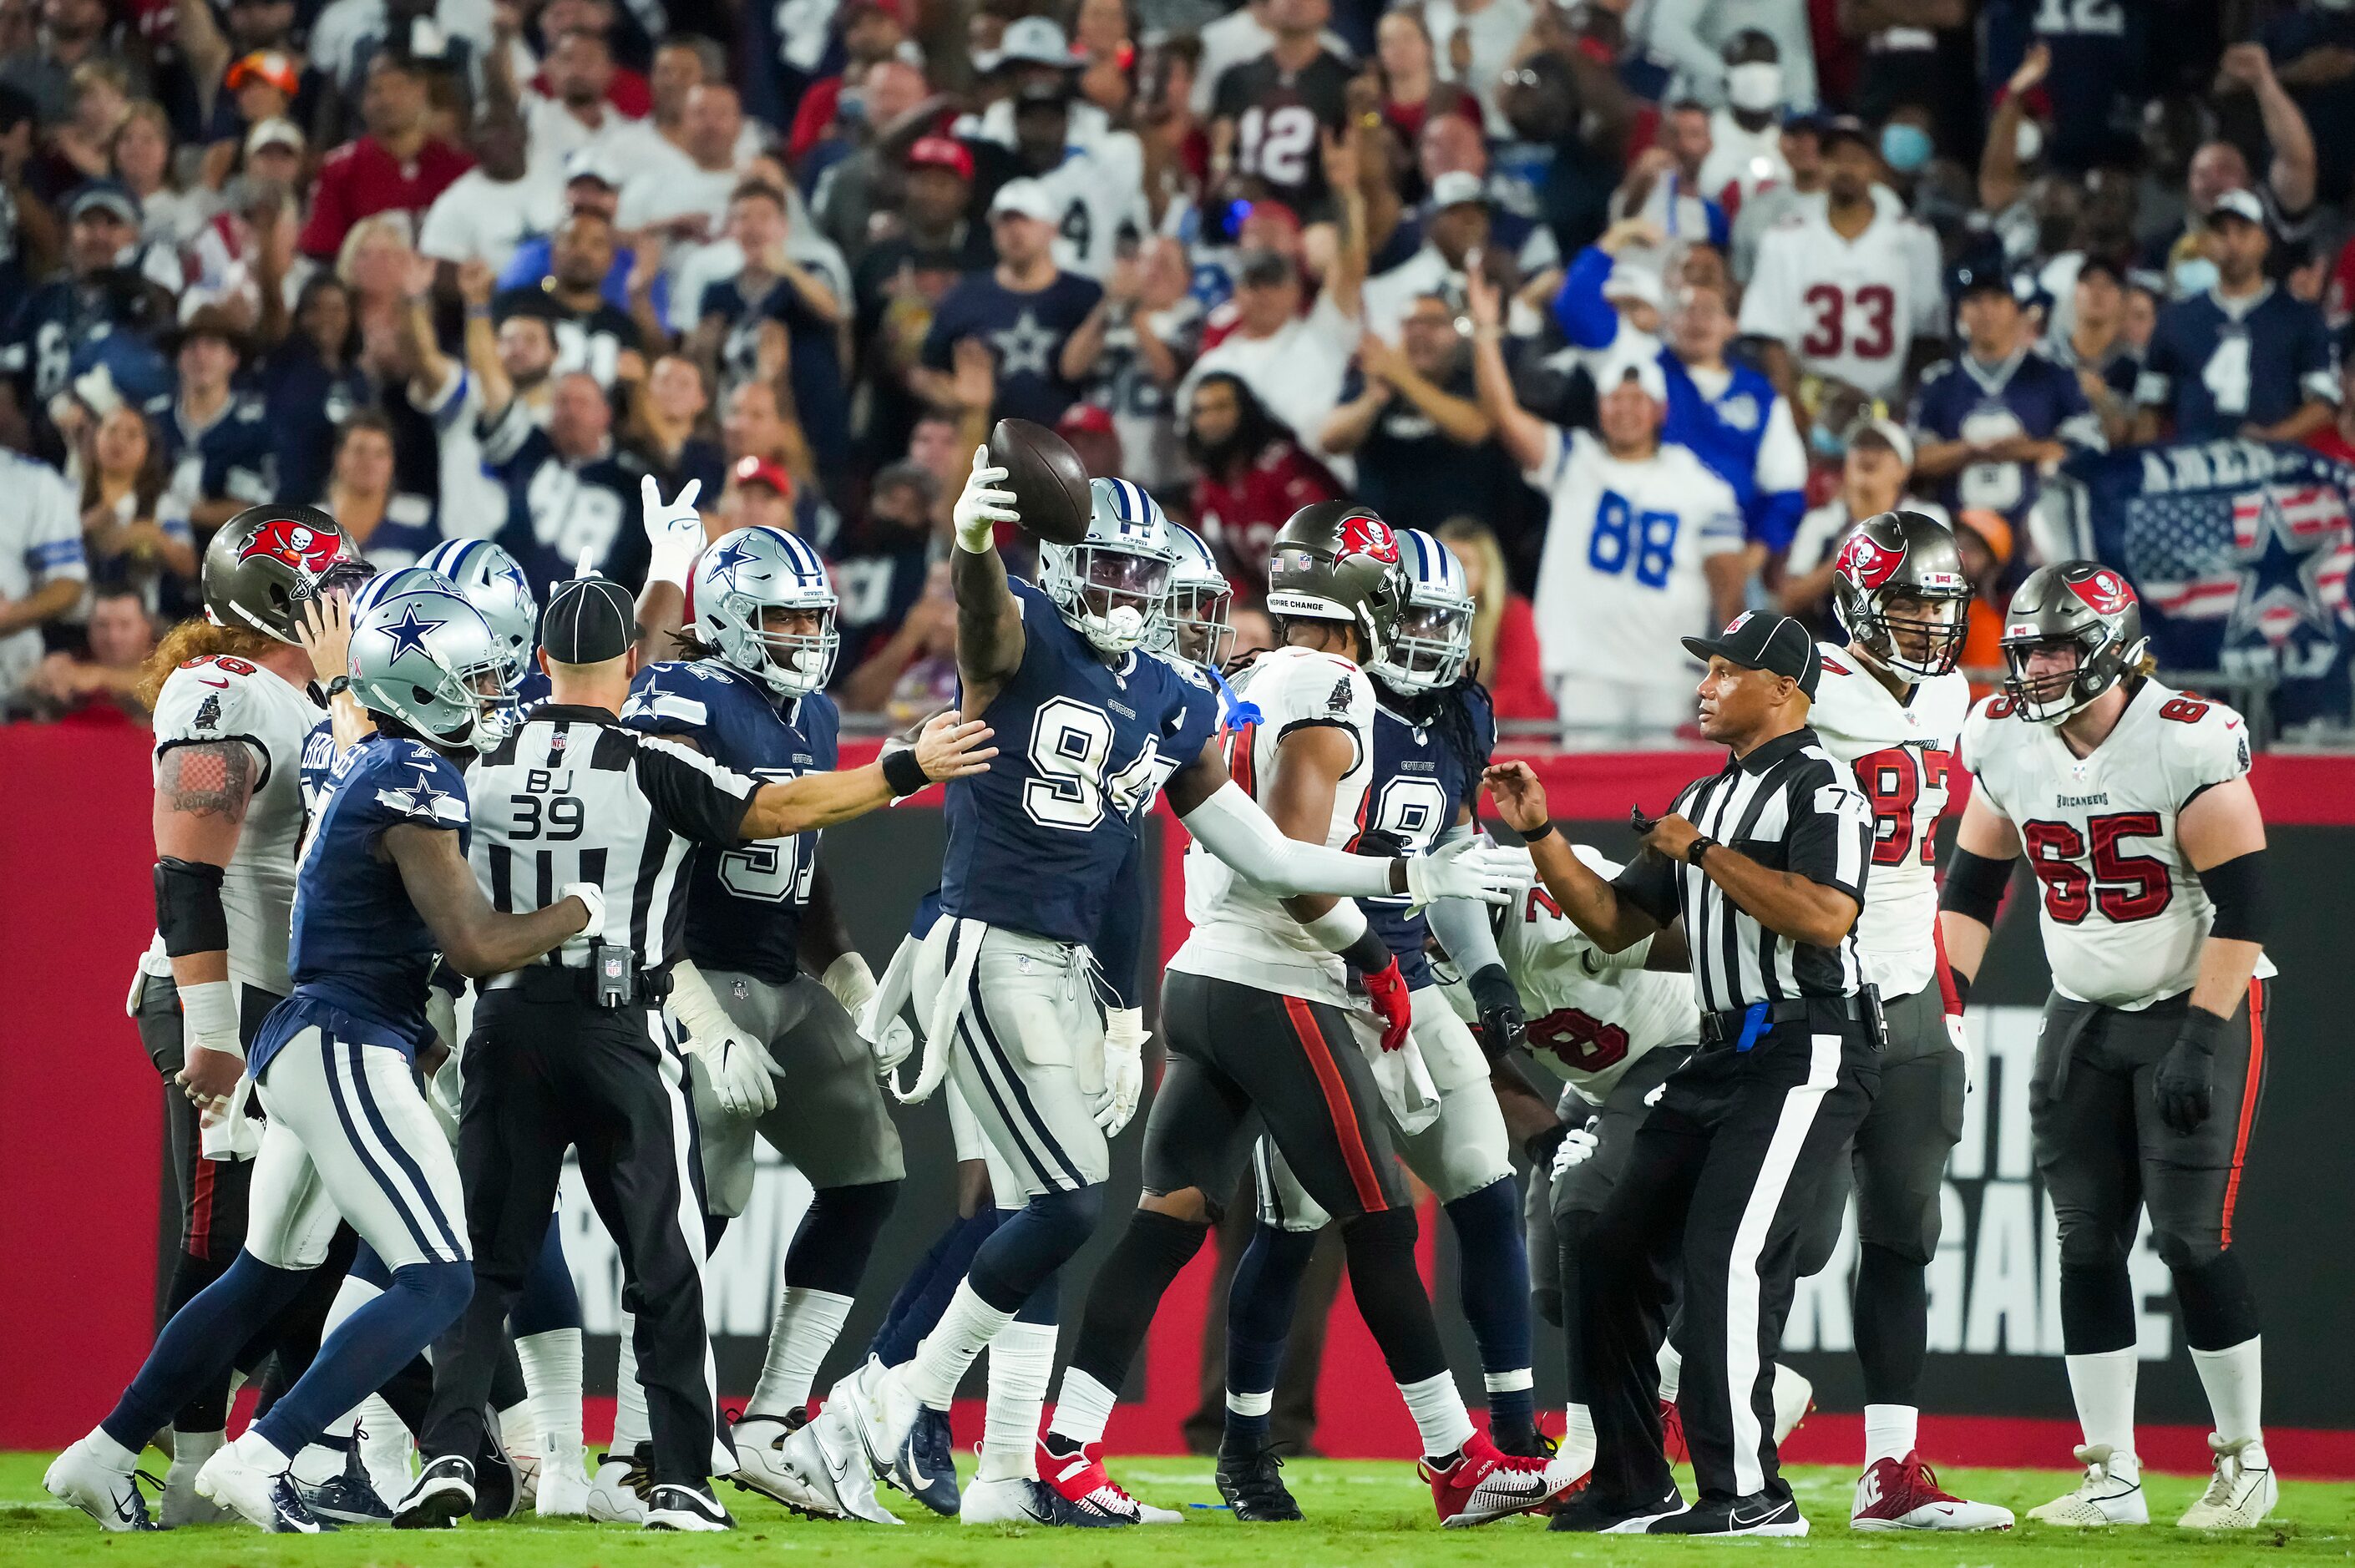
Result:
[[2122, 912]]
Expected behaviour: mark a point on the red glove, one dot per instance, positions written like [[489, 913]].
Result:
[[1386, 989]]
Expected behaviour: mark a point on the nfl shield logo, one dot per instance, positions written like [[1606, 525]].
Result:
[[613, 965]]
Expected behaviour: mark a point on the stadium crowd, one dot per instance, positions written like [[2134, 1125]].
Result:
[[472, 268]]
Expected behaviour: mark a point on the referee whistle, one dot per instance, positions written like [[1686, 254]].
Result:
[[1640, 823]]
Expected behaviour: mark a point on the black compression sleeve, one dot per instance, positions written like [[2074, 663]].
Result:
[[1974, 885], [2237, 888], [1369, 954], [188, 914]]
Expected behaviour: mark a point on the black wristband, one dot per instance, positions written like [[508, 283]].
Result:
[[1962, 985], [902, 773], [1369, 955], [1539, 1146], [1543, 830], [2202, 1029], [1697, 848]]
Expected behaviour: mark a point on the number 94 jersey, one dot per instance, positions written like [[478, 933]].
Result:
[[1421, 778], [2122, 912], [1900, 751], [744, 905], [1037, 842]]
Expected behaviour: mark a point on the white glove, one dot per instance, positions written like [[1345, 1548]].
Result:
[[1962, 1039], [891, 1045], [591, 894], [674, 531], [980, 506], [1123, 1058], [1469, 868], [849, 981], [445, 1094], [1574, 1152], [743, 1074]]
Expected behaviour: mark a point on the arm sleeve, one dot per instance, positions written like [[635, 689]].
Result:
[[1230, 825], [1462, 923], [1584, 316], [1120, 938], [1649, 883], [1831, 835], [693, 796]]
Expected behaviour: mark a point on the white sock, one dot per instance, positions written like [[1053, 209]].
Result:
[[1439, 1415], [808, 1324], [1890, 1431], [518, 1432], [2234, 1379], [252, 1448], [1578, 1436], [1085, 1408], [630, 1427], [948, 1351], [109, 1453], [1672, 1373], [551, 1371], [314, 1466], [1021, 1366], [191, 1450], [2104, 1388]]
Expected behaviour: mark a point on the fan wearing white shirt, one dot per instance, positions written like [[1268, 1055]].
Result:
[[575, 114], [494, 205], [1745, 133], [1874, 474]]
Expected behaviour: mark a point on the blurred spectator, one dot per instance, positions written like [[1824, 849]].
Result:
[[139, 157], [759, 494], [2242, 357], [1412, 89], [1746, 131], [572, 110], [873, 31], [101, 685], [43, 573], [1152, 323], [666, 430], [2312, 50], [590, 187], [1411, 417], [912, 673], [1033, 52], [216, 439], [1505, 652], [1255, 631], [1801, 151], [2097, 350], [1874, 475], [1456, 229], [880, 570], [856, 197], [311, 381], [1985, 540], [570, 503], [591, 333], [2337, 439], [72, 323], [1474, 41], [1571, 110], [1096, 188], [1025, 310], [1692, 35], [1664, 188], [396, 166], [1088, 428], [686, 202], [488, 211], [73, 34], [1270, 110], [1252, 474], [391, 528], [2285, 200], [775, 319], [126, 542]]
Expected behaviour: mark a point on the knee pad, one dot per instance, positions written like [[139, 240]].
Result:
[[2184, 1253], [2220, 1310], [2090, 1246], [2097, 1306]]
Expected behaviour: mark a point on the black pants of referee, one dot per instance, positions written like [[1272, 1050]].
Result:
[[547, 1070], [1725, 1178]]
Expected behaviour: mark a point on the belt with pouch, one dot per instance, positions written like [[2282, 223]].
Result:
[[613, 980], [1738, 1028]]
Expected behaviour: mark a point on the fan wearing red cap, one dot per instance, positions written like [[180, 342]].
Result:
[[760, 495]]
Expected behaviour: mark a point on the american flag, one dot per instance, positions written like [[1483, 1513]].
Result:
[[2188, 566]]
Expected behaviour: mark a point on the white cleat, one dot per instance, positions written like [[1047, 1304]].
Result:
[[1904, 1494], [761, 1467], [563, 1487], [2241, 1492], [880, 1409], [614, 1497], [263, 1498], [77, 1478], [825, 1457], [2104, 1498], [1793, 1397], [1021, 1499], [387, 1453]]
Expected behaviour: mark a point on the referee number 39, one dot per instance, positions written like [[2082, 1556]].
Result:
[[546, 809]]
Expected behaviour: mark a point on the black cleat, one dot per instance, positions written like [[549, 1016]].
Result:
[[1528, 1444], [1590, 1513], [442, 1494], [676, 1507], [1760, 1513], [349, 1497], [1253, 1486], [495, 1490]]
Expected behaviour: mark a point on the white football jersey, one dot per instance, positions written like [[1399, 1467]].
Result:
[[1240, 933], [1900, 752], [1848, 309], [1592, 1015], [223, 698], [2122, 912], [1621, 575], [1099, 192]]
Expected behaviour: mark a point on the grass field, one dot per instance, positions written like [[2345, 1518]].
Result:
[[1367, 1515]]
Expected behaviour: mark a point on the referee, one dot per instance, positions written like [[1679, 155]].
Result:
[[573, 1051], [1764, 862]]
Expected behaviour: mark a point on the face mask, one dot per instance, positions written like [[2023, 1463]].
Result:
[[2027, 141], [1903, 147], [2194, 275], [1755, 87]]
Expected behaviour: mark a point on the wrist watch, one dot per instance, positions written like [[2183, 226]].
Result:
[[1697, 848], [339, 686]]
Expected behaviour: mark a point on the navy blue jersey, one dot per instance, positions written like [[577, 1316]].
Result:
[[1423, 780], [232, 459], [2098, 80], [2215, 369], [1024, 331], [2026, 394], [318, 770], [744, 904], [361, 956], [51, 331], [814, 363], [560, 510], [307, 402], [1036, 844]]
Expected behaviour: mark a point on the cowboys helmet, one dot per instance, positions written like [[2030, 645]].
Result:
[[2080, 604], [1113, 585], [1431, 646], [1194, 625], [266, 561], [1910, 555], [496, 587], [738, 580], [1335, 560], [426, 656]]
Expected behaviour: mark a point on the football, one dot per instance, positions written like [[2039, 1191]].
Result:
[[1048, 481]]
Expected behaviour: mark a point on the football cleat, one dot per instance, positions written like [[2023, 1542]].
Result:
[[1757, 1514], [760, 1464], [618, 1495], [563, 1487], [1081, 1480], [77, 1478], [1672, 1433], [928, 1461], [499, 1490], [1482, 1485], [881, 1412], [524, 1467], [826, 1457], [442, 1494], [1589, 1513], [2104, 1497], [676, 1507], [1022, 1501], [1793, 1397], [386, 1450], [349, 1497], [2241, 1490], [1904, 1494], [1253, 1484], [264, 1500]]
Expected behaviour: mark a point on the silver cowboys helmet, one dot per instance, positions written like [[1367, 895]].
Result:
[[742, 575], [422, 654], [1909, 554], [1431, 647], [1194, 627], [2079, 604], [1113, 585], [493, 583]]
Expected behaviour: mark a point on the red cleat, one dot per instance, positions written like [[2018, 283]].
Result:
[[1672, 1433], [1081, 1480], [1904, 1494], [1484, 1485]]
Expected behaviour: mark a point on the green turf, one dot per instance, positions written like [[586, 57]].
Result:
[[1366, 1515]]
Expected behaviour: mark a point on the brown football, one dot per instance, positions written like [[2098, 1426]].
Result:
[[1048, 481]]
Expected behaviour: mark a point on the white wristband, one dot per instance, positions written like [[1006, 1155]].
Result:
[[1338, 926], [208, 1018]]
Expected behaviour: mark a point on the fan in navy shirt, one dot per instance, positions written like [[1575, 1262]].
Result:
[[1024, 310], [880, 570], [2244, 359], [216, 440], [569, 496], [735, 313], [1986, 422]]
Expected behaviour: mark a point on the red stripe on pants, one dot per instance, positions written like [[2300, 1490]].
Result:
[[2248, 1104], [200, 1209], [1336, 1102]]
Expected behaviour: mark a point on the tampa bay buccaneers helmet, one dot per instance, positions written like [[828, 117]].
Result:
[[1910, 555], [1335, 560], [267, 560], [2082, 604]]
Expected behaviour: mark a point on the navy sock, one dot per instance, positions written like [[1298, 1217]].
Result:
[[549, 1300], [829, 1251], [199, 1345], [373, 1344], [1494, 1260], [917, 1309], [1260, 1307]]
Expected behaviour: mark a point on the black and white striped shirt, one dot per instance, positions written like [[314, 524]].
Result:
[[1789, 807], [573, 797]]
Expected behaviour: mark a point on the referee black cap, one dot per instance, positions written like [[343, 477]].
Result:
[[588, 621], [1777, 644]]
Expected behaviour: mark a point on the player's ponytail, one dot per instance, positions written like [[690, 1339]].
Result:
[[197, 637]]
